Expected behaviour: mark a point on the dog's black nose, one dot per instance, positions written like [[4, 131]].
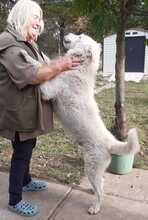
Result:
[[66, 41]]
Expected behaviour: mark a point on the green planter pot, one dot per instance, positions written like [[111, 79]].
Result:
[[121, 164]]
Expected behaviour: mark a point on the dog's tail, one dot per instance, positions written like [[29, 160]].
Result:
[[132, 145]]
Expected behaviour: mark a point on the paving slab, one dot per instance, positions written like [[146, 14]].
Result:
[[133, 185], [47, 200], [113, 208], [126, 197]]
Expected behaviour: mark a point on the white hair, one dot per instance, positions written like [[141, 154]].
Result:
[[20, 15]]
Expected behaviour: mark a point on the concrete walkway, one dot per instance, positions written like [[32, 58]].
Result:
[[126, 197]]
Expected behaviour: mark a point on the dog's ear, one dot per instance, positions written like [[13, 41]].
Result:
[[88, 51]]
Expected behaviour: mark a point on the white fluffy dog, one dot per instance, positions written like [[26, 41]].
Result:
[[74, 103]]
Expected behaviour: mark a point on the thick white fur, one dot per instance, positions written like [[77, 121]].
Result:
[[72, 93]]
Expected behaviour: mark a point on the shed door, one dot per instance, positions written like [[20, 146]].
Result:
[[134, 53]]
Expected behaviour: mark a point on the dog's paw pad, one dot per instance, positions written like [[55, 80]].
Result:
[[94, 209]]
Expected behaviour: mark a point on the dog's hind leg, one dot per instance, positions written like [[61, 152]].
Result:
[[95, 166]]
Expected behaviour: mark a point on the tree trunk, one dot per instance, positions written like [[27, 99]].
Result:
[[120, 124]]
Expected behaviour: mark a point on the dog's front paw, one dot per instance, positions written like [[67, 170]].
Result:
[[94, 209]]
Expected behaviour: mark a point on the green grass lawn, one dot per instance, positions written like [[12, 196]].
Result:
[[136, 102], [57, 157]]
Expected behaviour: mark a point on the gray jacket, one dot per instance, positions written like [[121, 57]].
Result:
[[21, 106]]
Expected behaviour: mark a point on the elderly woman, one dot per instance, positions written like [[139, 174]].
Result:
[[23, 114]]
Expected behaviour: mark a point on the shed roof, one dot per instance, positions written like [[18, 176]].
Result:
[[131, 29]]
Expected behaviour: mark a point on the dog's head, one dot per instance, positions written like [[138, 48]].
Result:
[[82, 46], [72, 40]]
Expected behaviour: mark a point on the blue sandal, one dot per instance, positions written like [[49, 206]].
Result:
[[34, 186], [24, 208]]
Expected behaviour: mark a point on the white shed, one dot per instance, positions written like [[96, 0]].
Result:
[[136, 54]]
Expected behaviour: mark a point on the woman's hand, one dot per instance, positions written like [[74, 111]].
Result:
[[66, 63], [55, 68]]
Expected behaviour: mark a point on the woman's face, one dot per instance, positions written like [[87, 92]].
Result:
[[34, 27]]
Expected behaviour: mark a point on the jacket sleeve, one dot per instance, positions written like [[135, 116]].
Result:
[[21, 70]]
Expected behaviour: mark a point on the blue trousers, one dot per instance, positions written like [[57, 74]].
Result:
[[19, 170]]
